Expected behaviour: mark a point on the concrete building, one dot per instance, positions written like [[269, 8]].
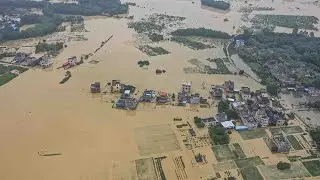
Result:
[[216, 91], [45, 62], [210, 121], [194, 98], [262, 118], [245, 93], [186, 87], [229, 86], [95, 87], [182, 98], [115, 86], [162, 98], [280, 144], [148, 96]]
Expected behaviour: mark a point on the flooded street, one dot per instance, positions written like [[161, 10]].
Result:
[[95, 140]]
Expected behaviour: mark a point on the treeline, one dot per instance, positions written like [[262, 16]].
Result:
[[216, 4], [297, 54], [201, 32], [84, 7]]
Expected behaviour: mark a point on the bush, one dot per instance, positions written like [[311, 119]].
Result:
[[155, 37], [283, 165], [198, 122]]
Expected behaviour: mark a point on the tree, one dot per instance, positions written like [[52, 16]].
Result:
[[223, 106], [219, 135], [295, 31], [283, 165], [272, 89], [232, 114], [241, 72]]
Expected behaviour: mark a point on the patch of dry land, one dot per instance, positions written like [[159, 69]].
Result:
[[91, 140]]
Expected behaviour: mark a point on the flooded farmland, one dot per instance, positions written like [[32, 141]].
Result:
[[94, 140]]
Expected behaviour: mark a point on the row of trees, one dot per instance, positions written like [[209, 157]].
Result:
[[201, 32], [45, 47]]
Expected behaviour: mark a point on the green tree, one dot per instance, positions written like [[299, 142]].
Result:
[[272, 89], [223, 106], [283, 165], [311, 34], [232, 114], [219, 135]]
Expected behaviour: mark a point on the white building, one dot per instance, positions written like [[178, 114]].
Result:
[[186, 87], [245, 93]]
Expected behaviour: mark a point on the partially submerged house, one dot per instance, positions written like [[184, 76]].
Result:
[[182, 98], [209, 121], [45, 62], [148, 96], [229, 86], [194, 98], [216, 91], [126, 101], [115, 86], [72, 61], [186, 87], [162, 98], [95, 87]]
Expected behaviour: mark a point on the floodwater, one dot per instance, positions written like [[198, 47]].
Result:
[[96, 141]]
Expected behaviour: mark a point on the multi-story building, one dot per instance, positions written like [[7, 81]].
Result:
[[186, 87]]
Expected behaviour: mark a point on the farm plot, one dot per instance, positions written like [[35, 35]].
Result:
[[225, 166], [156, 139], [292, 129], [253, 134], [313, 167], [271, 172], [238, 150], [293, 141], [252, 161], [145, 169], [223, 153], [250, 173], [275, 131]]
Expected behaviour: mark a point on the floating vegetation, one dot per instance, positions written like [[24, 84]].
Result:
[[201, 32], [290, 21], [153, 51], [143, 63]]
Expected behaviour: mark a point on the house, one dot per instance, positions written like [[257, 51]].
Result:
[[210, 121], [216, 91], [19, 58], [45, 62], [186, 87], [72, 61], [115, 86], [162, 98], [148, 96], [195, 98], [229, 86], [245, 93], [95, 87], [182, 98], [239, 43], [262, 118], [127, 103], [280, 144], [32, 61], [221, 117]]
